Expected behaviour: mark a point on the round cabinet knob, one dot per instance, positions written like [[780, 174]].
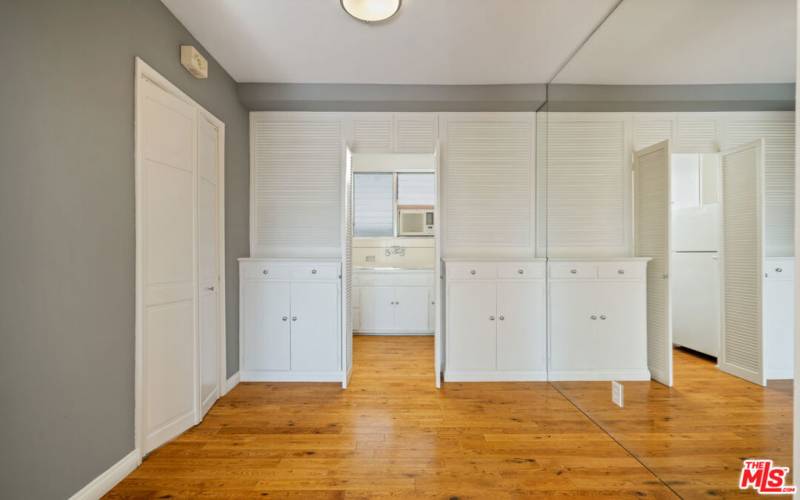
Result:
[[501, 317], [313, 271], [520, 271], [294, 318], [472, 272], [397, 303], [491, 318], [284, 318], [573, 271], [593, 317], [778, 269], [620, 271], [603, 317], [265, 272]]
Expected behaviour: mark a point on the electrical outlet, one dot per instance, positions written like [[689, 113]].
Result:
[[617, 394]]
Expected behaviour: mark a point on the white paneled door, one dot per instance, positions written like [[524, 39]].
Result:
[[167, 238], [742, 257], [180, 313], [652, 236], [208, 261]]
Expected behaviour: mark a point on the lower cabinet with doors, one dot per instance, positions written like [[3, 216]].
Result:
[[290, 320], [496, 324], [393, 301], [598, 319]]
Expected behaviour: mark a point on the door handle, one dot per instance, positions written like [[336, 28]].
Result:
[[210, 288], [284, 318], [603, 317], [593, 317], [491, 318], [501, 317], [294, 318]]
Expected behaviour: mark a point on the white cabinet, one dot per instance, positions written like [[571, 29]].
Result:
[[779, 317], [495, 327], [393, 302], [393, 132], [598, 322], [290, 320]]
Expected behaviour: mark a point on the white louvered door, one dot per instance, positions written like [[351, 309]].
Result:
[[438, 333], [347, 268], [296, 184], [487, 175], [742, 257], [652, 237]]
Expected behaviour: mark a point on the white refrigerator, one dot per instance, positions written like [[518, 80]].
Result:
[[695, 267]]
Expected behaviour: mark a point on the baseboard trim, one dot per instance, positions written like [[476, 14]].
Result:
[[232, 382], [599, 375], [267, 376], [393, 333], [495, 376], [103, 483]]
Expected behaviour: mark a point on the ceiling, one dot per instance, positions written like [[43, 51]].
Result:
[[690, 42], [428, 42]]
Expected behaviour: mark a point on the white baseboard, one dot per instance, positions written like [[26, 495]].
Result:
[[393, 333], [289, 376], [232, 382], [495, 376], [599, 375], [103, 483]]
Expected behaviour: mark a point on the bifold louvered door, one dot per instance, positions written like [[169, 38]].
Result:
[[742, 256], [652, 236], [347, 268]]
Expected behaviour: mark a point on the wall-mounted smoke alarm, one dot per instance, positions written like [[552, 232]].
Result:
[[194, 62]]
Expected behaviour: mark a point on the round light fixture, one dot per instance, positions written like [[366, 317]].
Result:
[[371, 11]]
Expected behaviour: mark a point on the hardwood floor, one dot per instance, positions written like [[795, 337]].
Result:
[[393, 435], [695, 435]]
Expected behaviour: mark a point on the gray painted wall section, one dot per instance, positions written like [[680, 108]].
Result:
[[559, 97], [67, 224], [738, 97], [357, 97]]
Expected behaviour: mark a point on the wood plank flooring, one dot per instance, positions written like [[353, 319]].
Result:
[[392, 435]]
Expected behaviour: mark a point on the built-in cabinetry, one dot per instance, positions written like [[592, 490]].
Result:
[[598, 319], [778, 307], [290, 320], [393, 301], [496, 320]]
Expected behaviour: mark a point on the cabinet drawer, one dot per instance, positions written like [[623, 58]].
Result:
[[573, 270], [315, 272], [471, 271], [621, 270], [520, 270], [266, 271]]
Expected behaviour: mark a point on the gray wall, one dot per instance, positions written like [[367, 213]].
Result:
[[67, 229]]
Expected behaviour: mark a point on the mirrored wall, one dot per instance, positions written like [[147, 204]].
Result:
[[665, 171]]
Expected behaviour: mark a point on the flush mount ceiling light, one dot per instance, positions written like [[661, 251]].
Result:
[[371, 11]]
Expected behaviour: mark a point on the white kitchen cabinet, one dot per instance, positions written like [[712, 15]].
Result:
[[393, 132], [495, 328], [393, 301], [598, 322], [779, 317], [290, 320]]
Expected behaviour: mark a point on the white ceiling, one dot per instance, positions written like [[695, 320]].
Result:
[[428, 42], [690, 42]]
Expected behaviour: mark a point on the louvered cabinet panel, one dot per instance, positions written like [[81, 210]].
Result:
[[373, 132], [296, 183], [488, 181], [649, 129], [587, 185], [778, 135], [697, 133], [415, 132]]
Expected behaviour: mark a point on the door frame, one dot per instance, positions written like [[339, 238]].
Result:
[[143, 70]]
